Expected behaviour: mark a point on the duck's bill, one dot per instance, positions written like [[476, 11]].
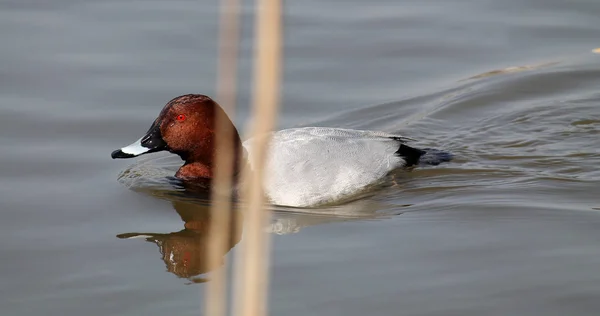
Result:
[[150, 143]]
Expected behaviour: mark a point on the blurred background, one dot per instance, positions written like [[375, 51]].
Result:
[[510, 227]]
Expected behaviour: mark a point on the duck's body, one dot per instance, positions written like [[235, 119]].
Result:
[[316, 165], [305, 166]]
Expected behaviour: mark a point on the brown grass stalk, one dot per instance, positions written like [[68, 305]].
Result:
[[253, 282], [216, 295]]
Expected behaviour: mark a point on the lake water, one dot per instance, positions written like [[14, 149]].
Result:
[[510, 227]]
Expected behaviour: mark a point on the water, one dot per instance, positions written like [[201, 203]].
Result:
[[510, 227]]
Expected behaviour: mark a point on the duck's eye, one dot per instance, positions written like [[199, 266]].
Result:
[[181, 117]]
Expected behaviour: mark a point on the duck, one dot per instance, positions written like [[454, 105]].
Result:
[[305, 166]]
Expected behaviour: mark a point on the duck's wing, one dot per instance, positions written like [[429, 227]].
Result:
[[339, 133]]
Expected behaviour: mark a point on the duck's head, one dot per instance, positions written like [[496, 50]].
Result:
[[186, 127]]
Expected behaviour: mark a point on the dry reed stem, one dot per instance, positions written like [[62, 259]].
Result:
[[253, 283], [216, 295]]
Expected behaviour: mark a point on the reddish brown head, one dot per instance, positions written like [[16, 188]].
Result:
[[186, 127]]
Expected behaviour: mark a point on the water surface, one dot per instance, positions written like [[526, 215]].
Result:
[[510, 227]]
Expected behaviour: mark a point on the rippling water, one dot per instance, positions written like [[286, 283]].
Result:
[[510, 227]]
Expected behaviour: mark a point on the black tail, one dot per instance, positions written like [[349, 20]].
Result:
[[426, 156], [411, 155]]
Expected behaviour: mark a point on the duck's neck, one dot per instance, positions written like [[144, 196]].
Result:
[[201, 163]]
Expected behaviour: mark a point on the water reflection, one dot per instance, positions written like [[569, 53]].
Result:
[[184, 251]]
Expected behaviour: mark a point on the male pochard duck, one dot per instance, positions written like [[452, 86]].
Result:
[[307, 166]]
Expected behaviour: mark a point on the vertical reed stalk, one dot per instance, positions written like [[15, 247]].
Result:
[[253, 283], [216, 295]]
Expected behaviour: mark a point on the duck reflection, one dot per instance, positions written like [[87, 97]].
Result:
[[184, 251]]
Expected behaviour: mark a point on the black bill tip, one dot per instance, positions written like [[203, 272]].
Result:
[[118, 154]]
